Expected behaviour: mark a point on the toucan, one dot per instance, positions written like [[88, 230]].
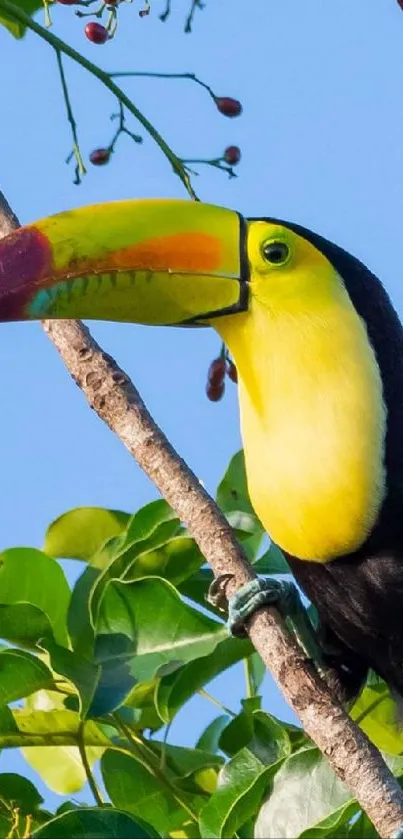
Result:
[[319, 351]]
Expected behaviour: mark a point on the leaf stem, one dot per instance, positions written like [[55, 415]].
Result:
[[214, 701], [87, 769], [140, 749], [80, 169], [13, 11], [248, 677]]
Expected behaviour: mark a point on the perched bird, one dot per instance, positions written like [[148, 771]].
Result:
[[319, 353]]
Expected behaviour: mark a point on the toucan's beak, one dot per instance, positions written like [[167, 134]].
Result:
[[150, 261]]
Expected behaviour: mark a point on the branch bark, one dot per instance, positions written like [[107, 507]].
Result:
[[112, 395]]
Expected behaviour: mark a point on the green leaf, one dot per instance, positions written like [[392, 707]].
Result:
[[163, 630], [140, 704], [272, 562], [29, 576], [24, 625], [114, 654], [210, 737], [175, 560], [122, 559], [262, 733], [176, 688], [133, 787], [84, 674], [196, 588], [49, 738], [362, 828], [7, 723], [186, 762], [305, 794], [79, 624], [245, 524], [232, 492], [18, 29], [20, 675], [375, 710], [79, 533], [147, 519], [45, 730], [248, 531], [19, 792], [242, 783], [93, 823]]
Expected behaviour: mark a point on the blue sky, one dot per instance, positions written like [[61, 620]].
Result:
[[321, 85]]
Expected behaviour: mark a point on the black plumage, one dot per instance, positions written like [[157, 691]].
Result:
[[359, 597]]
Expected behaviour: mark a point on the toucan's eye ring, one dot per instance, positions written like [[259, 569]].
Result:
[[276, 253]]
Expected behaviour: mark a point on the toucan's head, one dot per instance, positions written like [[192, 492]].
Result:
[[158, 262]]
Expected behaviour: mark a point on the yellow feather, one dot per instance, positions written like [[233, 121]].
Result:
[[312, 412]]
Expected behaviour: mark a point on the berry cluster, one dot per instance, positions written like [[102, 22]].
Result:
[[231, 155], [97, 33], [220, 368]]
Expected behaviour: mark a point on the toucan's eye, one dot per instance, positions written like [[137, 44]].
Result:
[[275, 252]]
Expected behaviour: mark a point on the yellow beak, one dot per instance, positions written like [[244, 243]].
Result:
[[156, 262]]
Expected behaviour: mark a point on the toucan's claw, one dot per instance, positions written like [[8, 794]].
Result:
[[256, 594]]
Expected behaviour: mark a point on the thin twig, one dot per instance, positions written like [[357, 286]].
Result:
[[113, 396], [216, 162], [167, 11], [146, 75], [18, 14], [80, 169], [206, 695], [87, 769], [121, 129], [196, 4], [149, 760]]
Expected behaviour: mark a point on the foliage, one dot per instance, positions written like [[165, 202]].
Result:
[[92, 678], [103, 670]]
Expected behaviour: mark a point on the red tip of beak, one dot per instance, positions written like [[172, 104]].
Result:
[[25, 261]]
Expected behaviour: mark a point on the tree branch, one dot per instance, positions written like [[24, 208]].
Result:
[[113, 396]]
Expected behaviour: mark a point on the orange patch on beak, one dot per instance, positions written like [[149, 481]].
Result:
[[184, 252]]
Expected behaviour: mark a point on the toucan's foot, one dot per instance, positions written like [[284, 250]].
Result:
[[256, 594], [262, 592], [398, 834]]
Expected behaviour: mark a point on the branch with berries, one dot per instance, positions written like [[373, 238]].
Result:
[[99, 34], [108, 9], [219, 368]]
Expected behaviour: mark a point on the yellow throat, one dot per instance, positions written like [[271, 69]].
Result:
[[313, 419]]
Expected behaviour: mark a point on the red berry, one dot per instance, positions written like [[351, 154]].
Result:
[[215, 392], [96, 33], [228, 106], [232, 372], [216, 372], [232, 154], [400, 2], [100, 156]]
